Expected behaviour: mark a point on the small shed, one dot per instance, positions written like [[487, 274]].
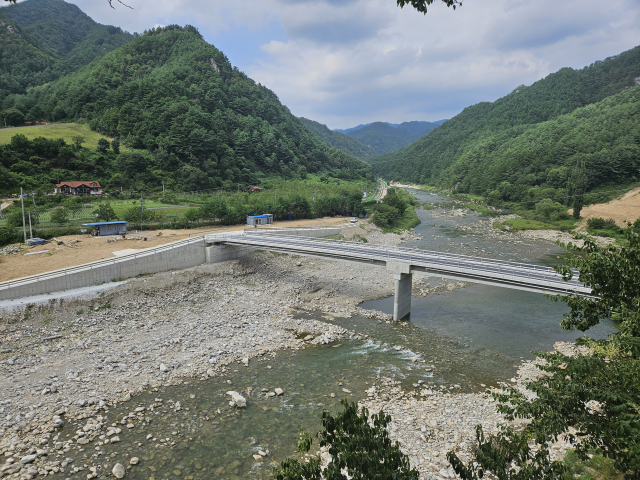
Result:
[[255, 220], [100, 229]]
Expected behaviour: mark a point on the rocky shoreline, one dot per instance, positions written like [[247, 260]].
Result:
[[71, 361]]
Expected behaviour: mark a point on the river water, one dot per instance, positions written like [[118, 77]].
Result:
[[460, 341]]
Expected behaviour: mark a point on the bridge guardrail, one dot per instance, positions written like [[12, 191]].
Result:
[[514, 270], [415, 249]]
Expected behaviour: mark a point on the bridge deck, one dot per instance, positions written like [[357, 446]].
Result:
[[515, 275]]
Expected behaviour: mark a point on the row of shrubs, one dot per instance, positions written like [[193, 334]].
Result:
[[605, 227]]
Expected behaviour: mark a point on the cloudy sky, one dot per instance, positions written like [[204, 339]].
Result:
[[345, 62]]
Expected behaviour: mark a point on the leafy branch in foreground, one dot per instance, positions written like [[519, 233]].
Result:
[[421, 5], [358, 444], [592, 397]]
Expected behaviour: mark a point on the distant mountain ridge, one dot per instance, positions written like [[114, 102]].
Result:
[[384, 137], [188, 117], [414, 126], [339, 140]]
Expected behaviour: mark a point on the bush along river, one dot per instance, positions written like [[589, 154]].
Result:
[[288, 336]]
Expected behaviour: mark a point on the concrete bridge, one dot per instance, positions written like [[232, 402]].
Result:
[[402, 262]]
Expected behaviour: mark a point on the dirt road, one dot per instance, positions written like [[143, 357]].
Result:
[[623, 209], [89, 249]]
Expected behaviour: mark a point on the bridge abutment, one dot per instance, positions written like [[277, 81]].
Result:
[[218, 252]]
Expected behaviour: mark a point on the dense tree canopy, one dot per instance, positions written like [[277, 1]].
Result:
[[186, 115], [596, 392], [359, 446], [42, 40], [339, 140]]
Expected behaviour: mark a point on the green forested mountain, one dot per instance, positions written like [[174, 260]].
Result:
[[189, 118], [382, 138], [45, 39], [531, 138], [340, 140], [419, 128]]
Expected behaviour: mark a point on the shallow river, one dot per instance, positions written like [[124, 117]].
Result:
[[458, 340]]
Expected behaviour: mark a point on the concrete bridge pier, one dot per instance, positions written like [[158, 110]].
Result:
[[402, 293]]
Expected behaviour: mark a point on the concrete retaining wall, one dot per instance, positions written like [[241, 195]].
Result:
[[223, 253], [174, 256]]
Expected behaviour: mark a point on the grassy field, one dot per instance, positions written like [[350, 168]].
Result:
[[524, 224], [56, 130], [478, 209]]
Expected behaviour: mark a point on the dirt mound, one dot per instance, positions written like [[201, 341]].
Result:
[[622, 210]]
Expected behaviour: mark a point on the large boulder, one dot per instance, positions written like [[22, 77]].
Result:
[[118, 470], [238, 400]]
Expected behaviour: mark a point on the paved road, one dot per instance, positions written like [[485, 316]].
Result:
[[519, 276], [382, 192]]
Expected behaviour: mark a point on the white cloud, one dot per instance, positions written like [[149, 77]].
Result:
[[411, 66], [344, 62]]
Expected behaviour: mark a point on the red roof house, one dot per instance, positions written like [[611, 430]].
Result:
[[78, 188]]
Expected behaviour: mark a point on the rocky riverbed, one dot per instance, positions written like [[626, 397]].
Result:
[[72, 362], [429, 423]]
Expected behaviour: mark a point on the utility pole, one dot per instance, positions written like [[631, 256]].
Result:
[[163, 189], [314, 195], [24, 225], [141, 211], [30, 231], [35, 210]]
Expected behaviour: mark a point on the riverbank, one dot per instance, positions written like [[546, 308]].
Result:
[[428, 423]]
